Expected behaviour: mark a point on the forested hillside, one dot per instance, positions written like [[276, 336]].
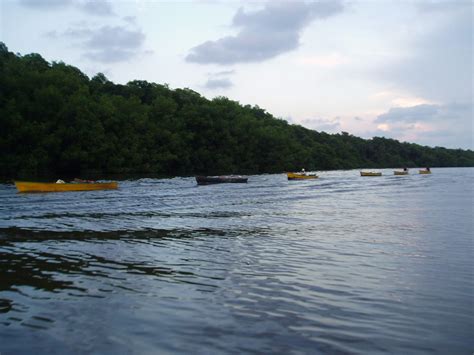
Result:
[[55, 120]]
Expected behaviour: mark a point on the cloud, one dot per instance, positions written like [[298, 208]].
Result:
[[321, 124], [93, 7], [453, 112], [327, 61], [218, 84], [443, 7], [439, 67], [46, 4], [409, 114], [397, 99], [436, 78], [448, 125], [97, 7], [106, 44], [130, 19], [219, 80], [223, 73], [264, 34]]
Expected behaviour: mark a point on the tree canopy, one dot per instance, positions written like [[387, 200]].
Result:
[[57, 121]]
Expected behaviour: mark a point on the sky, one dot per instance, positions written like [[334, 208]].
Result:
[[387, 68]]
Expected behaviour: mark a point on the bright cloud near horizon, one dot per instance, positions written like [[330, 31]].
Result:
[[397, 69]]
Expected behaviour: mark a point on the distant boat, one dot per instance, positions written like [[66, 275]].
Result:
[[425, 171], [24, 186], [208, 180], [301, 176], [370, 173], [396, 172]]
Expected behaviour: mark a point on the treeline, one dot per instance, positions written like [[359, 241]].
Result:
[[55, 120]]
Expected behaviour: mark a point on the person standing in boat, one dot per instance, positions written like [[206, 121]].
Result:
[[428, 169], [303, 172]]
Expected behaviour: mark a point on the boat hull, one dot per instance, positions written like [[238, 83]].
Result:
[[424, 172], [362, 173], [24, 186], [211, 180], [299, 176], [400, 173]]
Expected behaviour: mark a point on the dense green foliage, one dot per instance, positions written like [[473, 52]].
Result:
[[56, 120]]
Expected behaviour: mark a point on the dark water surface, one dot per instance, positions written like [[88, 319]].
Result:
[[344, 264]]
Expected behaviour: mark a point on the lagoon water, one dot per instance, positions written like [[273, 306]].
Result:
[[342, 264]]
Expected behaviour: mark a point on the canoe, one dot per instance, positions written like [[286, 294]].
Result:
[[371, 173], [400, 172], [301, 176], [23, 186], [424, 172], [209, 180]]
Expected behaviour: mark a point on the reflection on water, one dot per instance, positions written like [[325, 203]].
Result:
[[340, 265]]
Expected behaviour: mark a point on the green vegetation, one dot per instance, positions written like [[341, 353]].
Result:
[[57, 121]]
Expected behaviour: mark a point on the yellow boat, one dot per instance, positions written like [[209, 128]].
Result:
[[301, 176], [371, 173], [24, 186], [425, 171], [400, 172]]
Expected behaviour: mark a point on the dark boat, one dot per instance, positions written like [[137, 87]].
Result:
[[208, 180]]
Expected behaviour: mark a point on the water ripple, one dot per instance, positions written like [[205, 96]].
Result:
[[342, 264]]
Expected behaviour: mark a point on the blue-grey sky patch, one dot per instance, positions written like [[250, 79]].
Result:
[[265, 33], [130, 19], [106, 44], [97, 7], [321, 124], [46, 4], [428, 113], [409, 114], [443, 6], [442, 125], [92, 7], [439, 64], [222, 73], [214, 84]]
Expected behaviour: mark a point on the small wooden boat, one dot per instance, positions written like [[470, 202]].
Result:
[[23, 186], [208, 180], [370, 173], [301, 176], [425, 171], [400, 172]]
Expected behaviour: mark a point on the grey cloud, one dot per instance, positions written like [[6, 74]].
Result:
[[454, 112], [223, 73], [106, 44], [98, 7], [451, 124], [130, 19], [218, 84], [286, 15], [409, 114], [440, 64], [443, 6], [439, 69], [116, 37], [113, 55], [455, 139], [326, 125], [93, 7], [46, 4], [265, 33]]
